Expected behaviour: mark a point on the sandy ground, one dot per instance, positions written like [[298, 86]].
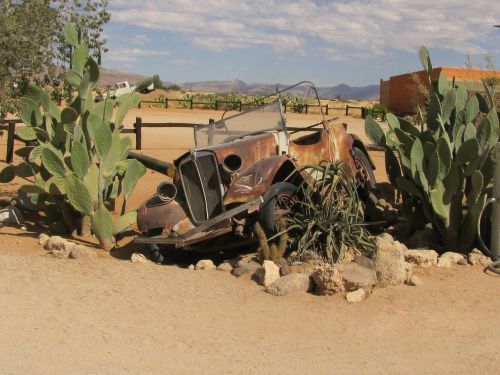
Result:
[[109, 316]]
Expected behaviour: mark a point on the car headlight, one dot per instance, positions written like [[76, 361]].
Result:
[[166, 191]]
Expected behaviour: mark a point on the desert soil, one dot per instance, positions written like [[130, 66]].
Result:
[[110, 316]]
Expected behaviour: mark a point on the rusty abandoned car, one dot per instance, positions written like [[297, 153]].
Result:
[[237, 173]]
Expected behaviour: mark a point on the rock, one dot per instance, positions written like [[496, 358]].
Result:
[[42, 239], [204, 264], [284, 267], [55, 243], [250, 267], [414, 281], [355, 296], [389, 261], [289, 284], [477, 258], [422, 257], [11, 215], [268, 273], [191, 267], [225, 267], [463, 262], [363, 261], [422, 238], [454, 258], [357, 277], [139, 258], [328, 279], [81, 251], [444, 262]]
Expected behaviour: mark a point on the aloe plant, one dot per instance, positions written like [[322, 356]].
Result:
[[443, 163], [326, 219], [77, 158]]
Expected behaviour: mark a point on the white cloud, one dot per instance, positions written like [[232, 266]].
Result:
[[353, 29], [130, 55]]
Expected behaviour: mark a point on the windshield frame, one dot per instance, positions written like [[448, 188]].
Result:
[[214, 124]]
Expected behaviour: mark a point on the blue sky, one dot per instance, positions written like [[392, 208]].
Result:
[[327, 42]]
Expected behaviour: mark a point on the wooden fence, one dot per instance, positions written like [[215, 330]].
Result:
[[239, 105], [137, 130]]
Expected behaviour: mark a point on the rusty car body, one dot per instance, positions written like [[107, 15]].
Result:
[[239, 164]]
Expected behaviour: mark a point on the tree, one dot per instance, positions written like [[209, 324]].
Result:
[[30, 41], [158, 84]]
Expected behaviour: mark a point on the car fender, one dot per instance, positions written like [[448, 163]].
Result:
[[357, 142], [170, 217], [256, 180]]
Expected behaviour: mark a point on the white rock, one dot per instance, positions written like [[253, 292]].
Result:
[[414, 281], [444, 262], [55, 243], [268, 273], [138, 258], [389, 261], [355, 296], [422, 257], [204, 264], [453, 257], [42, 239], [225, 267], [191, 267], [477, 258]]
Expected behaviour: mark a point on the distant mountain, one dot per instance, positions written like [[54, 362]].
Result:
[[110, 77], [343, 91]]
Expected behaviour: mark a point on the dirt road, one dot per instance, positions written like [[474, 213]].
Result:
[[109, 316]]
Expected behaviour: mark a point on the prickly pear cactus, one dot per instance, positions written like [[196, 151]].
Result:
[[78, 161], [443, 164]]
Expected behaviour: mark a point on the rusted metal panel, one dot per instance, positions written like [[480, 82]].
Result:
[[250, 150], [254, 181], [157, 214], [313, 148]]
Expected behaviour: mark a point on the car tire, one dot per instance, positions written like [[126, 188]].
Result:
[[272, 208], [365, 177]]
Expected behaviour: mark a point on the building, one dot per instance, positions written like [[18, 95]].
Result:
[[401, 94]]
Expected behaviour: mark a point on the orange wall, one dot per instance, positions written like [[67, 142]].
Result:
[[402, 96]]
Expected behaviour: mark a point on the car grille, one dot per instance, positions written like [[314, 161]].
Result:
[[201, 182]]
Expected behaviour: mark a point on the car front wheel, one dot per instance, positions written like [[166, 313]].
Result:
[[276, 205]]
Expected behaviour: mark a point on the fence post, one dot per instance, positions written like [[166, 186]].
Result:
[[191, 103], [11, 133], [307, 107], [138, 133], [166, 103], [284, 105], [216, 105], [239, 105], [326, 107], [347, 110], [139, 105]]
